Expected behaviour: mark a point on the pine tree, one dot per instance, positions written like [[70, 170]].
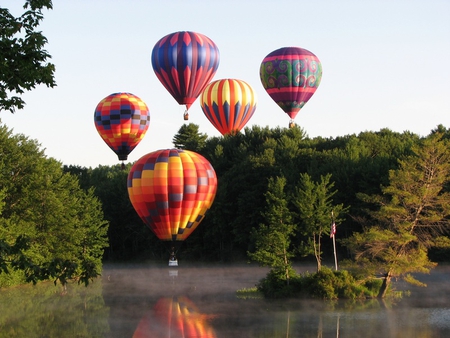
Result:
[[315, 207], [412, 215], [189, 138], [273, 238]]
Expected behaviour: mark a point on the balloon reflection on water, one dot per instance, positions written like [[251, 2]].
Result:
[[174, 317]]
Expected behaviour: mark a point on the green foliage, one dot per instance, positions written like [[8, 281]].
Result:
[[24, 63], [189, 138], [324, 284], [356, 164], [273, 238], [274, 285], [413, 212], [243, 163], [45, 311], [440, 252], [49, 227], [329, 284], [249, 293], [316, 213], [129, 237]]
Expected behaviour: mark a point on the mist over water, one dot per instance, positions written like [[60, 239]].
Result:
[[148, 300]]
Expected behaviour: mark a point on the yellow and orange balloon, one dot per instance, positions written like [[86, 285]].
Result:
[[228, 104], [171, 190]]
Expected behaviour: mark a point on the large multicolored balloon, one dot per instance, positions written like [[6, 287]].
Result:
[[171, 190], [122, 119], [185, 62], [228, 104], [291, 75]]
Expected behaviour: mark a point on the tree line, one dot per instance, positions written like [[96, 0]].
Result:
[[50, 228], [277, 191], [335, 171]]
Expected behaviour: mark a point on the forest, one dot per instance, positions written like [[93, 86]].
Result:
[[244, 163], [46, 203]]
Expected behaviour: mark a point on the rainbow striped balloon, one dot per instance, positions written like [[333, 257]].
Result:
[[228, 104]]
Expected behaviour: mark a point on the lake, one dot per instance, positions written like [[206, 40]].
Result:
[[201, 301]]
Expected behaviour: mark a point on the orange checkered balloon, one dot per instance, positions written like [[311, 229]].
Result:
[[171, 190], [122, 119]]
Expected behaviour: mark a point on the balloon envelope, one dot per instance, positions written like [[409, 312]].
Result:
[[171, 190], [122, 119], [185, 62], [291, 75], [228, 104]]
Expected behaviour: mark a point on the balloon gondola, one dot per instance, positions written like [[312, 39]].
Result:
[[228, 104], [291, 76], [171, 191], [122, 120], [185, 62]]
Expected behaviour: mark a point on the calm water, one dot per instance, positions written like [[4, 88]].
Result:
[[158, 301]]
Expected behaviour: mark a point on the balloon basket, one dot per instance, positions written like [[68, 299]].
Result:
[[173, 262]]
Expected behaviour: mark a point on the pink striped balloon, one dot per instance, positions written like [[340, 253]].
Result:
[[291, 76]]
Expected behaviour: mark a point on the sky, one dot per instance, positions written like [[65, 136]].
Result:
[[386, 64]]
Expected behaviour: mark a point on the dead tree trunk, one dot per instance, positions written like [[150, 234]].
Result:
[[385, 285]]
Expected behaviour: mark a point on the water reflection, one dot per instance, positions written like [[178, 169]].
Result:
[[157, 301], [174, 317], [46, 311]]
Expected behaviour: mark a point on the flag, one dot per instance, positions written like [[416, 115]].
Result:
[[333, 230]]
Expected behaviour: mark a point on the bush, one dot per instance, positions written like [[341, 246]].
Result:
[[325, 284], [275, 285]]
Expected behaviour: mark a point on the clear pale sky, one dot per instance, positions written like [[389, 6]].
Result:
[[386, 64]]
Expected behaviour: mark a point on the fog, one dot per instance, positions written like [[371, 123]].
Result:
[[201, 301], [154, 300]]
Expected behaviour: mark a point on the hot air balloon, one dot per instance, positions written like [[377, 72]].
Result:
[[171, 190], [122, 119], [228, 104], [291, 75], [185, 62]]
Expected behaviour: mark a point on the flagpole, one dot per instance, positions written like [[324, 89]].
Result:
[[335, 257], [333, 235]]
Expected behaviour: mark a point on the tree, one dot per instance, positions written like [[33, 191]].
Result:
[[315, 207], [24, 61], [189, 138], [50, 228], [413, 213], [128, 236], [273, 238]]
